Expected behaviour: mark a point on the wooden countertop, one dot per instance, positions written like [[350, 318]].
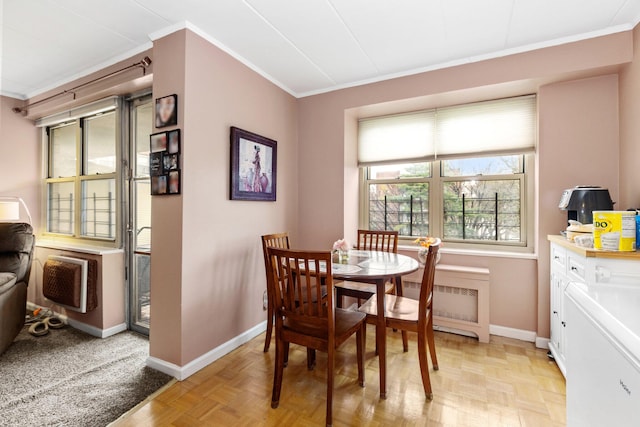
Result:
[[592, 253]]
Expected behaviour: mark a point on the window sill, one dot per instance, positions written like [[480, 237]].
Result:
[[475, 252], [74, 247]]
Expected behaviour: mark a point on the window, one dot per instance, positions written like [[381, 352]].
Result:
[[467, 183], [482, 199], [81, 179], [399, 198]]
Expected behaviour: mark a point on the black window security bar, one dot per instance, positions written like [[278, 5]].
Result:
[[482, 218], [407, 215], [467, 218]]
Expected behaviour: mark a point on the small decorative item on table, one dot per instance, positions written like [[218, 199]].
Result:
[[423, 251], [341, 251]]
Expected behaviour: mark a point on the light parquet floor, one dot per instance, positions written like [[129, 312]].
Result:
[[504, 383]]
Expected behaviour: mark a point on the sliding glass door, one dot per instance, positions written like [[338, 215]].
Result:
[[139, 229]]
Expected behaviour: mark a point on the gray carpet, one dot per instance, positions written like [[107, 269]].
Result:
[[69, 378]]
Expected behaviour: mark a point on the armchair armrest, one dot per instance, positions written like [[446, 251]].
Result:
[[7, 281]]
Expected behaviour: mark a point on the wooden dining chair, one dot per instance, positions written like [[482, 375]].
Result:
[[277, 240], [369, 240], [414, 316], [302, 317]]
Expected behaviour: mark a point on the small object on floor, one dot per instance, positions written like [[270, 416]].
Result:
[[39, 329], [54, 322]]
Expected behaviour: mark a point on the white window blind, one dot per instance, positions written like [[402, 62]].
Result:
[[503, 126], [398, 138]]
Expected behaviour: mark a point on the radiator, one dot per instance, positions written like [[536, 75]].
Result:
[[71, 283], [460, 299], [456, 303]]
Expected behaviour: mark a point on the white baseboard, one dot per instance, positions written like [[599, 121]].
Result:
[[519, 334], [542, 343], [502, 331], [183, 372], [97, 332], [454, 331], [91, 330]]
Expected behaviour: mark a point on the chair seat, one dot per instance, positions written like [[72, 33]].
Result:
[[358, 289], [347, 322], [396, 307]]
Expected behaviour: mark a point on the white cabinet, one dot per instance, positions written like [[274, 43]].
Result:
[[571, 264], [559, 282]]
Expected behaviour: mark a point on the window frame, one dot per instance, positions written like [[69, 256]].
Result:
[[436, 205], [81, 177]]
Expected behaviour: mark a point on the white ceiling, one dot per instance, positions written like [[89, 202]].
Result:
[[304, 46]]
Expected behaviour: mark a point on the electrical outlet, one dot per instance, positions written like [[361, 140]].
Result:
[[265, 301]]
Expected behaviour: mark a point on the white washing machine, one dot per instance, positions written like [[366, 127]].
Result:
[[603, 347]]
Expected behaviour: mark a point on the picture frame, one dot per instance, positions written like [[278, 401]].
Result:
[[174, 182], [158, 185], [173, 141], [166, 111], [158, 142], [164, 163], [156, 166], [253, 166], [170, 162]]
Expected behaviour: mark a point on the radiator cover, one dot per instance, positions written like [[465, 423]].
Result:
[[460, 299]]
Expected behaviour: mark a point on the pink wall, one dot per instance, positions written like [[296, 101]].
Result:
[[20, 148], [579, 145], [630, 129], [207, 276], [518, 300], [165, 339]]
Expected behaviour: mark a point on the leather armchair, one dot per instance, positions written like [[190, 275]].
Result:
[[16, 252]]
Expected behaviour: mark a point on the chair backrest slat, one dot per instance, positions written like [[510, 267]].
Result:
[[276, 240], [371, 240], [428, 277]]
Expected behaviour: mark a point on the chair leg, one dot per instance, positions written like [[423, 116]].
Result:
[[281, 349], [330, 372], [432, 343], [311, 358], [267, 339], [397, 290], [339, 298], [405, 341], [286, 354], [424, 365], [361, 338]]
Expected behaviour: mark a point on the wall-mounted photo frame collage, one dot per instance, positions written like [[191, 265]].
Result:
[[164, 163]]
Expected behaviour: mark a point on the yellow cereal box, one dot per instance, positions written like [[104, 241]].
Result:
[[614, 230]]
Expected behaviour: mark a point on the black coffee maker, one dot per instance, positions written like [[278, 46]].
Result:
[[581, 201]]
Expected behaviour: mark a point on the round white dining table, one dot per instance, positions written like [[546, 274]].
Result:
[[376, 267]]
